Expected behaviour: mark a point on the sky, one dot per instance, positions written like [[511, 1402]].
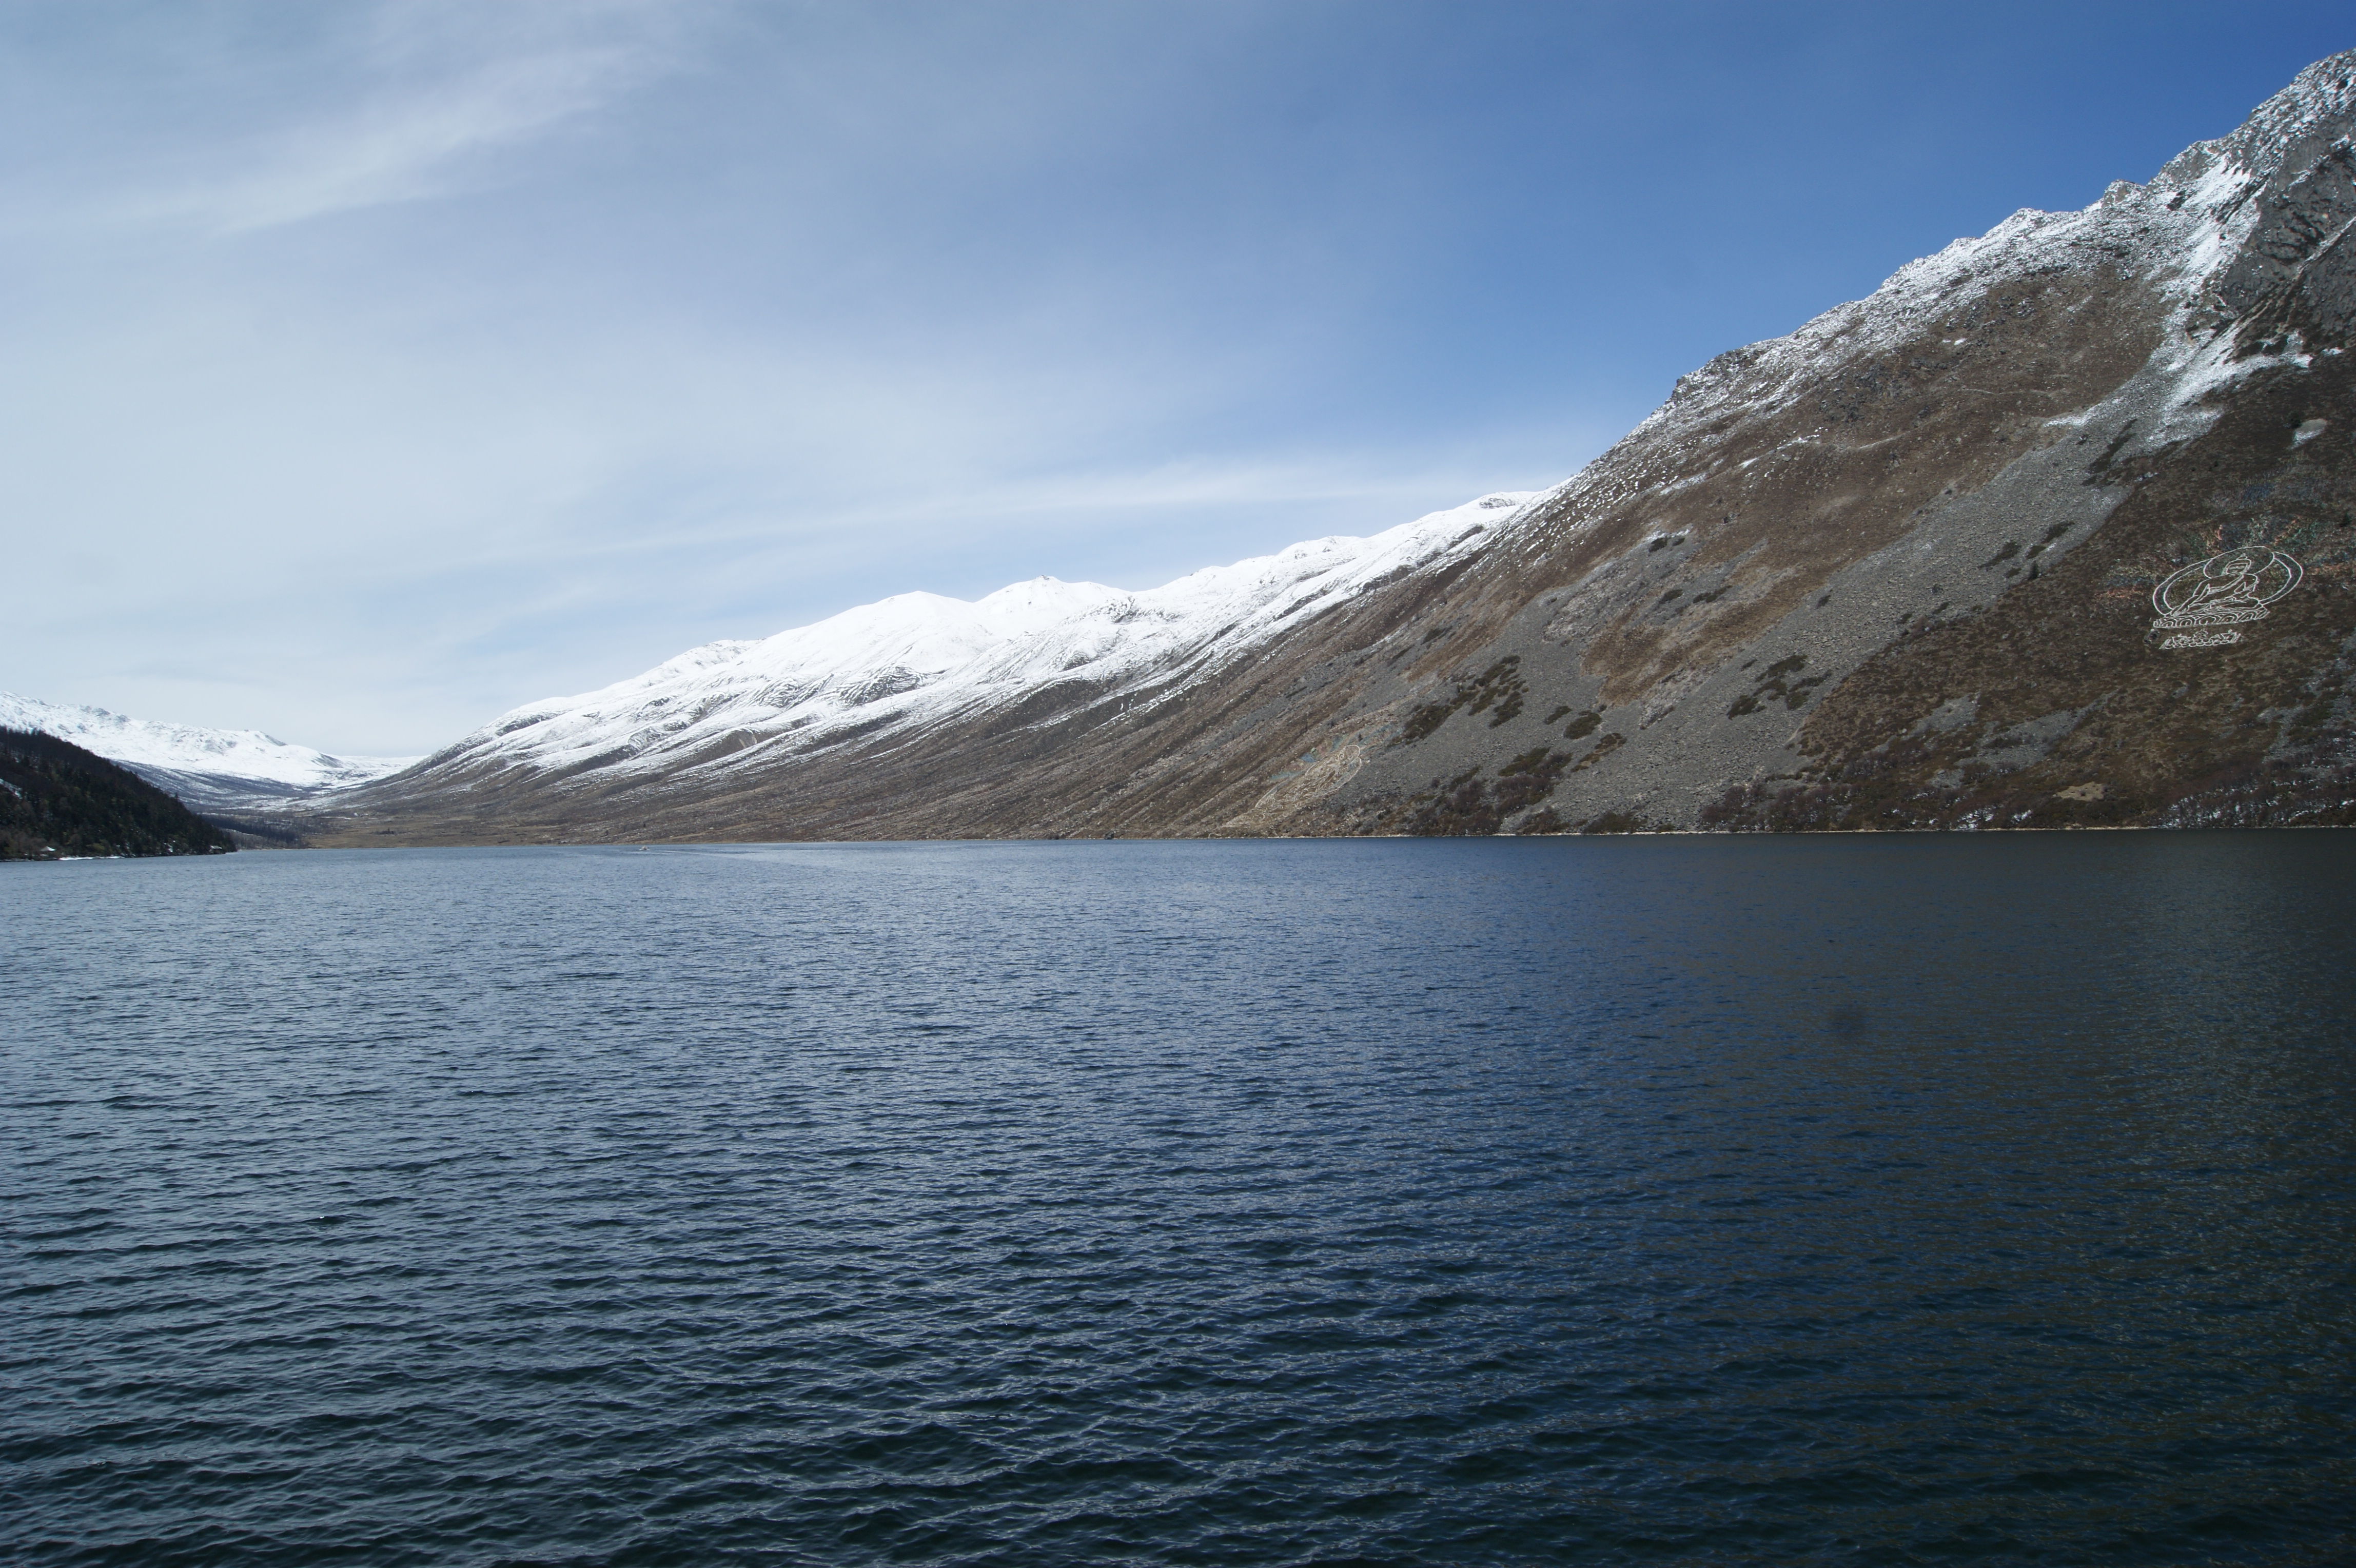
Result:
[[367, 370]]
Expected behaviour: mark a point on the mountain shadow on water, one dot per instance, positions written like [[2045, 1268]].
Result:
[[57, 800]]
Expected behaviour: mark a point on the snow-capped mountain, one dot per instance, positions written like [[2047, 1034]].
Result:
[[916, 660], [210, 769], [2056, 528]]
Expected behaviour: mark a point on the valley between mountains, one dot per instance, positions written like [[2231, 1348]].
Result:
[[2057, 528]]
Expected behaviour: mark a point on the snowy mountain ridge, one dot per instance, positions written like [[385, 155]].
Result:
[[914, 659], [211, 770], [2197, 217]]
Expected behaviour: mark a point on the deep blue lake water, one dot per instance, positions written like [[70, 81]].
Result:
[[1923, 1200]]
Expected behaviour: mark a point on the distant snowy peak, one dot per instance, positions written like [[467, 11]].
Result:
[[211, 769], [918, 657]]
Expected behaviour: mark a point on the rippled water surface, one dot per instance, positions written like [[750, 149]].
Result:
[[1872, 1201]]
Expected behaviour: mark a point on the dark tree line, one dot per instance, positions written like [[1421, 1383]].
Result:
[[58, 799]]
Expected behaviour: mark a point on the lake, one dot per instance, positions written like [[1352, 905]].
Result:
[[1975, 1199]]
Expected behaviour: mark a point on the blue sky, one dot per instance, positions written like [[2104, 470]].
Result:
[[372, 369]]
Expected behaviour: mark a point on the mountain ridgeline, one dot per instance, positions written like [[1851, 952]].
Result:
[[210, 770], [57, 800], [2057, 528]]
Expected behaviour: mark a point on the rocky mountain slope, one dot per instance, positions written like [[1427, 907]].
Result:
[[2053, 529], [211, 769]]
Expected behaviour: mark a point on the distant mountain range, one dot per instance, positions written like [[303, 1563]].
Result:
[[2056, 528], [211, 770]]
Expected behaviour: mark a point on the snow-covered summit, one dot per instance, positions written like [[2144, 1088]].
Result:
[[916, 658], [211, 770]]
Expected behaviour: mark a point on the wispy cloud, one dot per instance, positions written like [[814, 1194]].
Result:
[[442, 88]]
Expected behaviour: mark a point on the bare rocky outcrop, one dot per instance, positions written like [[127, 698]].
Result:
[[1895, 570]]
